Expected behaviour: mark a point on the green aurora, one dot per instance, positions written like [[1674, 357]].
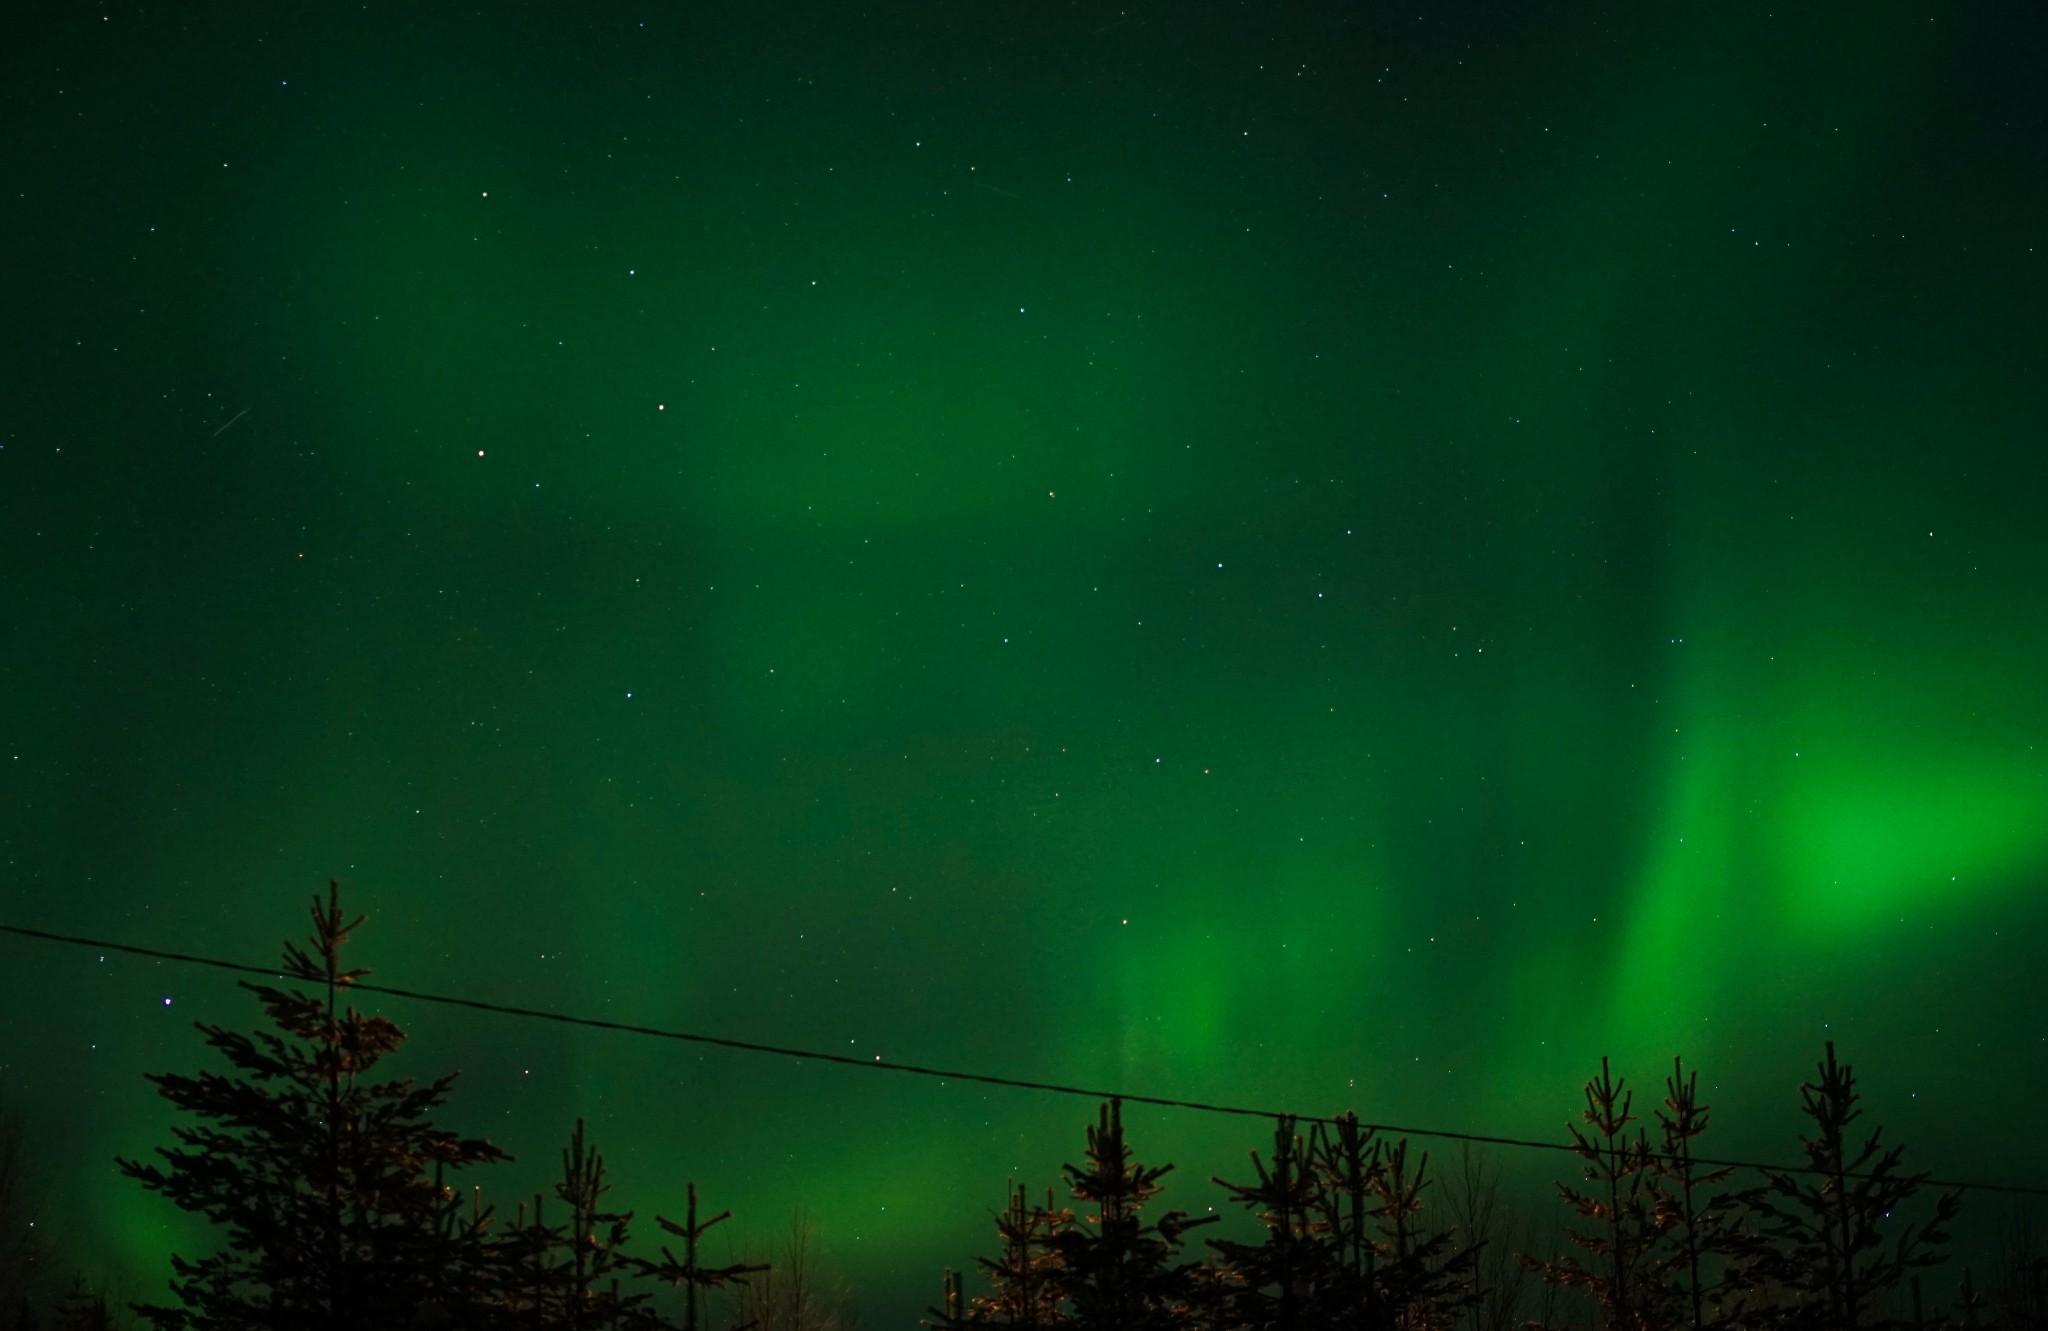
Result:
[[1304, 555]]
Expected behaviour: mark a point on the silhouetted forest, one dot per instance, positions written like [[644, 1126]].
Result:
[[340, 1206]]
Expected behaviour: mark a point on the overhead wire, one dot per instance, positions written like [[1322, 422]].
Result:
[[879, 1064]]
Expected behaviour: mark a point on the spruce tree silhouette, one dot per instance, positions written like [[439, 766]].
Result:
[[1025, 1279], [1711, 1254], [1423, 1277], [953, 1311], [1122, 1272], [1290, 1278], [81, 1309], [1620, 1269], [1346, 1156], [566, 1277], [328, 1185], [1347, 1244], [688, 1272], [1830, 1260]]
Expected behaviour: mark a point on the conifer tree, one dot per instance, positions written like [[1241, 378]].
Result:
[[1213, 1290], [326, 1184], [566, 1277], [1289, 1279], [1620, 1269], [1122, 1272], [597, 1242], [1364, 1255], [1423, 1277], [1710, 1250], [521, 1265], [81, 1309], [1025, 1287], [688, 1272], [1829, 1225], [1346, 1157], [953, 1311]]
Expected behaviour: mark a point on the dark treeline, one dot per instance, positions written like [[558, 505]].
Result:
[[340, 1206], [1349, 1236]]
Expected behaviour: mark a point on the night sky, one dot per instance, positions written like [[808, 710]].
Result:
[[1314, 555]]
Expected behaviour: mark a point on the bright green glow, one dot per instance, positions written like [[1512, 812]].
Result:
[[1486, 547], [1866, 840]]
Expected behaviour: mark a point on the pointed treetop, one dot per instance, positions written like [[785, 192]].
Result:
[[330, 935]]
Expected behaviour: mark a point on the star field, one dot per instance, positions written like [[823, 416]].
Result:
[[1320, 555]]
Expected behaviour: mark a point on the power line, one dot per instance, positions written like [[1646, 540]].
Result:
[[879, 1064]]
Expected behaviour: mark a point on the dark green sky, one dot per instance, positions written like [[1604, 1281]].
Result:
[[1323, 555]]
